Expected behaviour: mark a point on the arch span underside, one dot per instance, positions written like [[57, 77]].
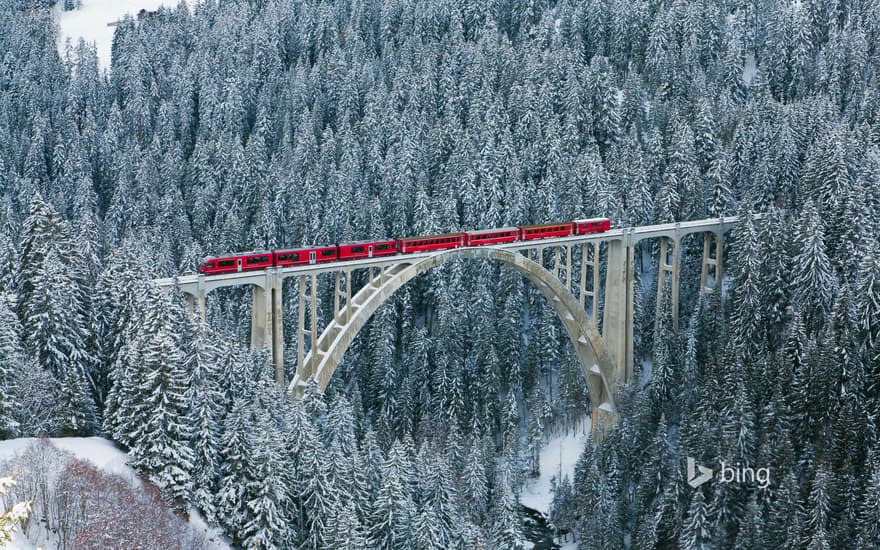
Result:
[[595, 362]]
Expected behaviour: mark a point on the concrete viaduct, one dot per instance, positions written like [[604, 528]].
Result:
[[606, 359]]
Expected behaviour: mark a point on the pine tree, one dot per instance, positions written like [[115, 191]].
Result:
[[814, 282], [344, 529], [394, 513], [867, 302], [235, 470], [11, 362], [206, 407], [267, 525], [57, 332], [42, 232], [696, 535], [507, 530], [868, 521], [818, 510], [664, 379], [748, 299], [475, 488], [161, 443], [314, 487]]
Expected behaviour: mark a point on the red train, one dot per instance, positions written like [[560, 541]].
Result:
[[251, 261]]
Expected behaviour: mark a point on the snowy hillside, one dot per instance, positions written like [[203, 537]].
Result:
[[90, 22], [35, 463], [557, 460]]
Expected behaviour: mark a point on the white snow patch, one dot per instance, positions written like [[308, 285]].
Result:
[[749, 68], [20, 542], [99, 451], [215, 538], [557, 459], [89, 22]]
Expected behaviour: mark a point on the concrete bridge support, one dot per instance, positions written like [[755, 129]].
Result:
[[617, 320], [307, 332], [266, 320]]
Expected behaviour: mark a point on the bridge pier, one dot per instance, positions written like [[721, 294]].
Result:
[[308, 298], [195, 298], [266, 321], [617, 319]]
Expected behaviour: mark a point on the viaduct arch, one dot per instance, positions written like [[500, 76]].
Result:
[[336, 338]]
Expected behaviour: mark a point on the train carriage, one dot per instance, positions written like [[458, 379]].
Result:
[[299, 256], [492, 236], [372, 249], [591, 225], [250, 261], [434, 242], [546, 231]]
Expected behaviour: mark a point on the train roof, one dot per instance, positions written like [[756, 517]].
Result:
[[585, 220], [303, 248], [426, 237], [544, 225], [368, 242], [237, 254], [486, 231]]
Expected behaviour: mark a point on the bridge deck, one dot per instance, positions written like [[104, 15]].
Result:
[[676, 230]]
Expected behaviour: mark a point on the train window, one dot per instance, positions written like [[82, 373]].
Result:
[[288, 257], [258, 259], [381, 247], [226, 263], [357, 249], [328, 252]]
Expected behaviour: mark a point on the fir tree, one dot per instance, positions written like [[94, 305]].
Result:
[[11, 362], [161, 444], [814, 282], [394, 513]]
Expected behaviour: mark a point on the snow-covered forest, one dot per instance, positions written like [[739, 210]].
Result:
[[261, 123]]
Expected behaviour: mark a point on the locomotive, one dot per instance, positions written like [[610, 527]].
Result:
[[256, 260]]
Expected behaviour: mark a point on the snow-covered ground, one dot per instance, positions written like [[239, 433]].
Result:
[[105, 456], [557, 459], [89, 22]]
